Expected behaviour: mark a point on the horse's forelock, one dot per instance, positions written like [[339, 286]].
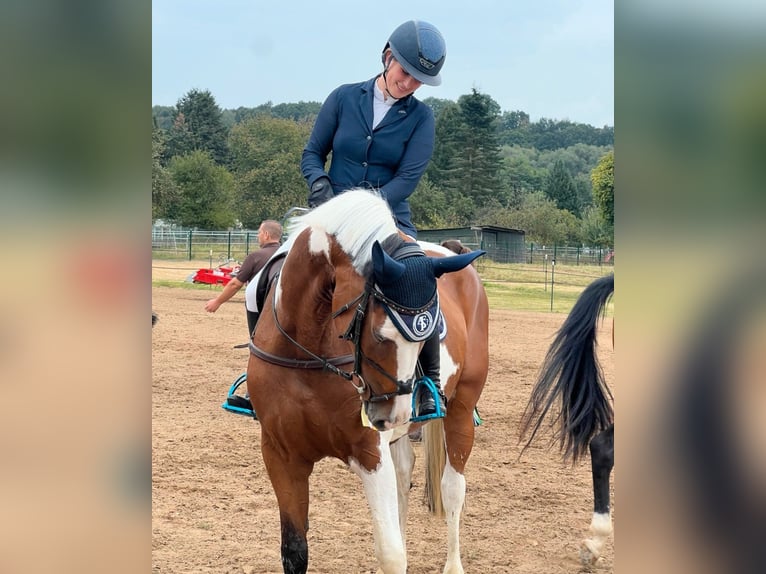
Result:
[[356, 218]]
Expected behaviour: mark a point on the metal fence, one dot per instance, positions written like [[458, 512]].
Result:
[[570, 255], [221, 246]]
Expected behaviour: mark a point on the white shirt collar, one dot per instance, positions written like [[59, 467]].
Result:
[[379, 95]]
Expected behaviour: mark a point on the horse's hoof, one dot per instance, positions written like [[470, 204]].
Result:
[[589, 554]]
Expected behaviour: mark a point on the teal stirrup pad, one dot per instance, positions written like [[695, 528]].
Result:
[[476, 417], [232, 390], [438, 414]]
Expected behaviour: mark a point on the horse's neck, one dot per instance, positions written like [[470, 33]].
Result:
[[306, 289], [302, 299]]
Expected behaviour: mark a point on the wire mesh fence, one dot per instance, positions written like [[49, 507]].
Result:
[[227, 245], [219, 246]]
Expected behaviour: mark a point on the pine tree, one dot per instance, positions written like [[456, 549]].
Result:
[[198, 125], [466, 163], [560, 188], [478, 160]]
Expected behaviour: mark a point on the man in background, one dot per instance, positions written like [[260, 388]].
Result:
[[269, 235]]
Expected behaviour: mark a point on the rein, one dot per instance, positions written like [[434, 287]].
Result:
[[316, 362], [353, 333]]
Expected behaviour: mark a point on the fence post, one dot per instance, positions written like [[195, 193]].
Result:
[[531, 251], [578, 256], [553, 270], [190, 245], [228, 248], [247, 242], [545, 271]]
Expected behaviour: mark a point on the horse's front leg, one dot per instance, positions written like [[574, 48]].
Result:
[[404, 461], [380, 489], [602, 461], [290, 480]]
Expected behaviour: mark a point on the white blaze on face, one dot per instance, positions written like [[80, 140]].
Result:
[[406, 359]]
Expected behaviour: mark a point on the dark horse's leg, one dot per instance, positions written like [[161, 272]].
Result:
[[290, 480], [602, 462]]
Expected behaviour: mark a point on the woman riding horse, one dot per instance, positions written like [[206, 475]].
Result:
[[334, 358]]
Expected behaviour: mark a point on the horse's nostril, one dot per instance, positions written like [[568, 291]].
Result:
[[379, 424]]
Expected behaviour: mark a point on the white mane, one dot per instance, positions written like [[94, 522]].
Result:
[[357, 218]]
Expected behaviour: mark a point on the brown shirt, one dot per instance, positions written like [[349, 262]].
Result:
[[255, 261]]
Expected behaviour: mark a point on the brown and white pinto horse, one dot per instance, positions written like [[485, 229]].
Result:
[[572, 377], [325, 349]]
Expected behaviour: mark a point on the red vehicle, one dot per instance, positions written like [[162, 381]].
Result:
[[219, 276]]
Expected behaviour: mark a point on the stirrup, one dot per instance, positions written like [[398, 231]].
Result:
[[233, 408], [431, 386]]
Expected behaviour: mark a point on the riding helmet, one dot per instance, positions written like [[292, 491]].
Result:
[[420, 49]]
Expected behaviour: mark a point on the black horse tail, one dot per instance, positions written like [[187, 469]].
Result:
[[572, 372]]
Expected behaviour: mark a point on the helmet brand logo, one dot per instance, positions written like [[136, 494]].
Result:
[[425, 63]]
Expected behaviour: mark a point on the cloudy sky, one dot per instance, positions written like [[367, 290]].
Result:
[[549, 58]]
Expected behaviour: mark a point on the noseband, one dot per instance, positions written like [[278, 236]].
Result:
[[353, 334]]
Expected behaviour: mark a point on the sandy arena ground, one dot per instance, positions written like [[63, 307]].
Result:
[[213, 507]]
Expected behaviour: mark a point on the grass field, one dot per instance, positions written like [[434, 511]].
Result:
[[525, 287]]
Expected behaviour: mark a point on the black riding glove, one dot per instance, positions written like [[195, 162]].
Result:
[[321, 191]]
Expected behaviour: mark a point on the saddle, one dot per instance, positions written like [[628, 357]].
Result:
[[268, 274], [266, 277]]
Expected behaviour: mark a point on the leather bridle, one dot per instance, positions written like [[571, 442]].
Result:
[[353, 334]]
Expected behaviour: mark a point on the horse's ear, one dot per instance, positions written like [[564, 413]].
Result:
[[444, 265], [385, 269]]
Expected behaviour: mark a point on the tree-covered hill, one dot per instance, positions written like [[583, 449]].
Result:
[[234, 167]]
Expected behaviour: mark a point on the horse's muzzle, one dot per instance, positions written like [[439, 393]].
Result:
[[385, 416]]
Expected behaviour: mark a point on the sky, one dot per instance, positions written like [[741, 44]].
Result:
[[549, 58]]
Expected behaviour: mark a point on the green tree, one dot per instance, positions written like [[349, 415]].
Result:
[[437, 105], [602, 179], [162, 116], [206, 191], [466, 163], [164, 191], [441, 170], [596, 231], [298, 112], [478, 160], [432, 209], [265, 158], [542, 221], [513, 128], [198, 125], [521, 173], [560, 188]]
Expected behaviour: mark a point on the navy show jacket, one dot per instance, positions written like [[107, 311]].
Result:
[[391, 158]]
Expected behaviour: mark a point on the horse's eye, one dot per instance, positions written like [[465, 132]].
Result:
[[378, 336]]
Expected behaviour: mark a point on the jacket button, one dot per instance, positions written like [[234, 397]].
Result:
[[369, 138], [364, 164]]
